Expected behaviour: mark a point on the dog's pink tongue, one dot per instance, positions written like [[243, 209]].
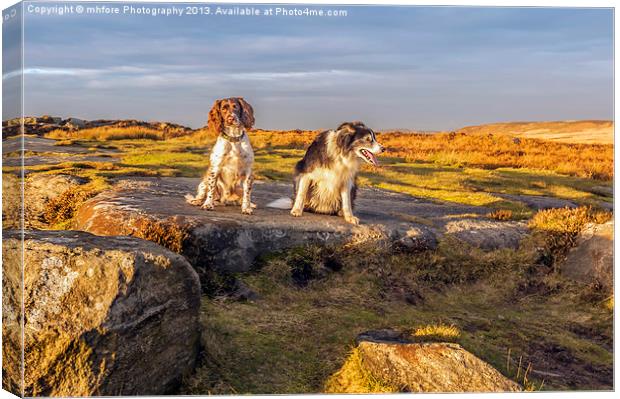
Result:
[[373, 158]]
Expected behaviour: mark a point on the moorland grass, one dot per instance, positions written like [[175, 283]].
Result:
[[297, 335], [411, 165], [108, 133], [295, 339]]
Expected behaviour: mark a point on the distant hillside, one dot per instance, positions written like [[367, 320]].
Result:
[[585, 132]]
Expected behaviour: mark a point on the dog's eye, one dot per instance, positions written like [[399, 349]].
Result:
[[225, 106]]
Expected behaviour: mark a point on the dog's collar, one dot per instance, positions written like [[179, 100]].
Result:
[[232, 139]]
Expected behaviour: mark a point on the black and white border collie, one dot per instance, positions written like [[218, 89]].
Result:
[[325, 179]]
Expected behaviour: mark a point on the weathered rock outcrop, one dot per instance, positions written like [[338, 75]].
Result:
[[431, 367], [103, 315], [488, 234], [39, 190], [592, 259], [226, 240], [44, 124], [11, 201]]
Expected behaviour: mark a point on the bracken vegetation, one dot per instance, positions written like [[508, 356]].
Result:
[[591, 161]]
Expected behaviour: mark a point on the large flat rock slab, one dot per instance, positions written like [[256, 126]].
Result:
[[592, 259], [226, 240], [101, 315], [42, 151]]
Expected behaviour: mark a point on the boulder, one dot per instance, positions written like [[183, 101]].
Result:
[[592, 259], [226, 240], [488, 234], [11, 201], [74, 123], [39, 190], [431, 367], [103, 315]]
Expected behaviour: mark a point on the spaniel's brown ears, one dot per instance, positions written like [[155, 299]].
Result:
[[216, 122], [247, 117]]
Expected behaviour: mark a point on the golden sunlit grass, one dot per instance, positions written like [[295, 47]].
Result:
[[293, 338], [437, 333], [609, 303], [499, 151], [501, 214], [354, 378], [485, 147], [107, 133], [468, 169]]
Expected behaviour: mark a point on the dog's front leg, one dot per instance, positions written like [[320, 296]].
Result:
[[246, 203], [302, 189], [347, 209], [211, 182]]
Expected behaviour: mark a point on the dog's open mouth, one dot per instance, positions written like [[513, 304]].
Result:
[[368, 157]]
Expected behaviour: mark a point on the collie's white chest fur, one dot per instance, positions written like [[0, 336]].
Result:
[[325, 195]]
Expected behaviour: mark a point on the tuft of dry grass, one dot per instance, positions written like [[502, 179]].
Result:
[[557, 229], [60, 211], [501, 214], [168, 235], [437, 333], [609, 303]]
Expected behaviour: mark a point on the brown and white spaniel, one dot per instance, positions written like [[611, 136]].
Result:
[[229, 177]]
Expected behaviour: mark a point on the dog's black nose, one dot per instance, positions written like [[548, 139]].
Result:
[[381, 148]]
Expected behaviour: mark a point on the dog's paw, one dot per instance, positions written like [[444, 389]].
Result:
[[247, 211], [296, 212], [208, 206], [253, 205], [191, 200], [352, 219]]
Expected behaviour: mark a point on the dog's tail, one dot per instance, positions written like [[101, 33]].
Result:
[[281, 203]]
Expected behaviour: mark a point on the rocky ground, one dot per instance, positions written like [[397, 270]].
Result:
[[46, 124], [104, 316], [281, 298]]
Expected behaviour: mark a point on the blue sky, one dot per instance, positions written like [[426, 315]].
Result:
[[393, 67]]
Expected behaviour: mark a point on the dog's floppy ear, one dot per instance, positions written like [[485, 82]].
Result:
[[247, 116], [215, 123], [346, 134]]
